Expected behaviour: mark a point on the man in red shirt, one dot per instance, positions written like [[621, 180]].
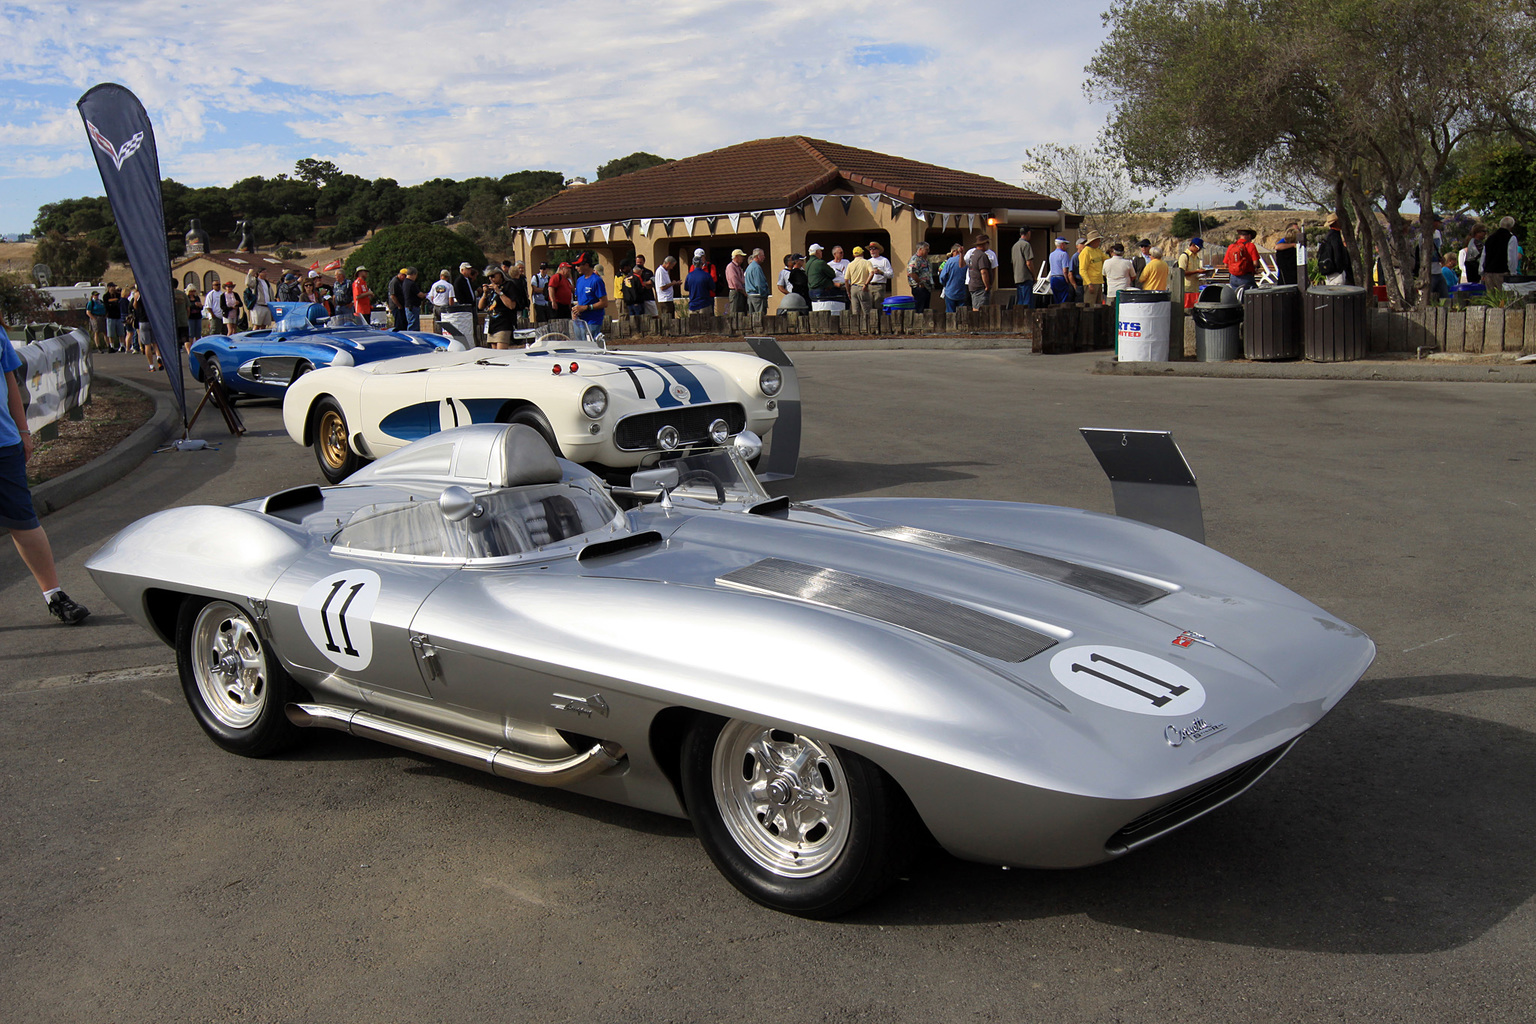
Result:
[[362, 295], [1242, 261], [561, 292]]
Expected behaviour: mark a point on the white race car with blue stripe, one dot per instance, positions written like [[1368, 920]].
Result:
[[607, 410]]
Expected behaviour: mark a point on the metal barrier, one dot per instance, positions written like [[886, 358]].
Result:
[[55, 379]]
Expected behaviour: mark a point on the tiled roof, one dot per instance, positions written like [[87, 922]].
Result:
[[240, 262], [771, 174]]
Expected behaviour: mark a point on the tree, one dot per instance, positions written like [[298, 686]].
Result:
[[427, 247], [1092, 182], [1496, 181], [1360, 102], [629, 164], [20, 301], [72, 259], [318, 173]]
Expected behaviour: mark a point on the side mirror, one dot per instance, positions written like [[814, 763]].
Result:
[[457, 504], [655, 479]]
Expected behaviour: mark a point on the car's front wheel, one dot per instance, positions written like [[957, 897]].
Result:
[[329, 433], [793, 822], [232, 680]]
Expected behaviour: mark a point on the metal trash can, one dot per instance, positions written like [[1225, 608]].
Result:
[[1520, 284], [1218, 324], [1335, 323], [1141, 326], [458, 325], [1272, 322]]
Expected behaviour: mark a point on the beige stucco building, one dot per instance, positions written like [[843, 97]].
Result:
[[781, 195]]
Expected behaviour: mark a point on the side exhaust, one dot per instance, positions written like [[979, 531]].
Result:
[[508, 764]]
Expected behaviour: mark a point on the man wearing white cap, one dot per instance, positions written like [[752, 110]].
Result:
[[735, 280], [1061, 263], [821, 277]]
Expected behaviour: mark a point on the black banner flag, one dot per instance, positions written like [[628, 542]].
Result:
[[123, 142]]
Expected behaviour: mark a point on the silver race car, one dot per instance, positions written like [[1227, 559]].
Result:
[[817, 686]]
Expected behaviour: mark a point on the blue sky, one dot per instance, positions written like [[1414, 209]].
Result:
[[420, 90]]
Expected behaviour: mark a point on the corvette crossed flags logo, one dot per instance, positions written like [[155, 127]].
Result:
[[105, 145]]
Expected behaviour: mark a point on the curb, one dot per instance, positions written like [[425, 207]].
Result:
[[1405, 371], [110, 467], [812, 343]]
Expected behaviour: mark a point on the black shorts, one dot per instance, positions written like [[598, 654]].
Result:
[[16, 511]]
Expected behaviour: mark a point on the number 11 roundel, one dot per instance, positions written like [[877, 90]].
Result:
[[337, 614]]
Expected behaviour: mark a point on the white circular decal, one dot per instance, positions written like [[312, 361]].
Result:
[[337, 613], [1118, 677], [679, 392]]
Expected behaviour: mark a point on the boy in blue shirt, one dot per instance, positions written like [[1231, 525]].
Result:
[[16, 512]]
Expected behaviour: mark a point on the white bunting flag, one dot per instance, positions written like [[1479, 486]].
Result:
[[527, 236], [779, 215], [734, 218], [688, 225], [816, 202], [921, 215], [606, 229], [645, 227], [970, 221], [873, 199]]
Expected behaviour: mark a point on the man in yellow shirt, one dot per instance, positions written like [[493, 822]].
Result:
[[858, 275], [1091, 263], [1192, 263], [1154, 276]]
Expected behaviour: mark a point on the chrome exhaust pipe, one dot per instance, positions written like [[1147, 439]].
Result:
[[508, 764]]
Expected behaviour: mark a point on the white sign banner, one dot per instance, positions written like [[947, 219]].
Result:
[[55, 377]]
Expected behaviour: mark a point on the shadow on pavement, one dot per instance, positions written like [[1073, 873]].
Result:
[[1391, 828], [819, 477]]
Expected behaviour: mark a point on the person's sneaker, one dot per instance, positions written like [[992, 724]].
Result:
[[65, 610]]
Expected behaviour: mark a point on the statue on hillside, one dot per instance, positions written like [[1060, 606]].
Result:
[[197, 239], [247, 235]]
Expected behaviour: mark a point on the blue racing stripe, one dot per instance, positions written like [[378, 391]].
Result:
[[679, 373]]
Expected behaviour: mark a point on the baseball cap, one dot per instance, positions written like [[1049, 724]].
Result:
[[815, 247], [564, 266], [1144, 243], [314, 273], [858, 250], [737, 252], [1198, 243], [543, 266], [698, 252], [360, 270], [465, 265], [584, 258]]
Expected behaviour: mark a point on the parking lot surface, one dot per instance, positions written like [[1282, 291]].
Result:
[[1383, 871]]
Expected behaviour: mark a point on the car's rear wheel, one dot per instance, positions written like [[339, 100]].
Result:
[[232, 680], [791, 821], [329, 435]]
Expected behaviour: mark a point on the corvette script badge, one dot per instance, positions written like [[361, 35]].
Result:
[[1196, 731]]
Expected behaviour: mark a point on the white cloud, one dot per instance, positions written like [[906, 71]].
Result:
[[413, 91]]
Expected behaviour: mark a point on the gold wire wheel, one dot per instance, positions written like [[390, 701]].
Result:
[[333, 439]]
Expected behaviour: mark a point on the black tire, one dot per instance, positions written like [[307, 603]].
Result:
[[330, 437], [214, 374], [234, 683], [299, 371], [535, 419], [859, 845]]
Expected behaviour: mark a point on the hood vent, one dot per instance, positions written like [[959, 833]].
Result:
[[934, 617], [1081, 577]]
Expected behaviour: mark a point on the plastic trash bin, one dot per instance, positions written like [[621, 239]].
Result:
[[1218, 324], [898, 303], [1335, 323], [1141, 326], [1272, 322]]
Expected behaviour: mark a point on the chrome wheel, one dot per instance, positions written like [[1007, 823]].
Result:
[[783, 798], [229, 665], [332, 434]]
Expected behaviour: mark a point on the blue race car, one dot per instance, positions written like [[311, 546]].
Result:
[[263, 363]]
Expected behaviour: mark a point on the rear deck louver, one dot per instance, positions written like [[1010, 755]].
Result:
[[935, 617]]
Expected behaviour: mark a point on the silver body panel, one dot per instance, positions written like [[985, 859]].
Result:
[[1011, 755]]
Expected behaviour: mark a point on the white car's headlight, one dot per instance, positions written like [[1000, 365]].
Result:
[[770, 381], [594, 401]]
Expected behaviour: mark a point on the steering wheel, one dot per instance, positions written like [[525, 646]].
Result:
[[555, 336], [707, 477]]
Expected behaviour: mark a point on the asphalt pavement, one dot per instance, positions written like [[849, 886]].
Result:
[[1383, 871]]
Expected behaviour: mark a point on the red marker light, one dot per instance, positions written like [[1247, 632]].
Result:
[[574, 367], [556, 368]]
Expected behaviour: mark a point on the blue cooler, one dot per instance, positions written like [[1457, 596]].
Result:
[[898, 302], [1472, 289]]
